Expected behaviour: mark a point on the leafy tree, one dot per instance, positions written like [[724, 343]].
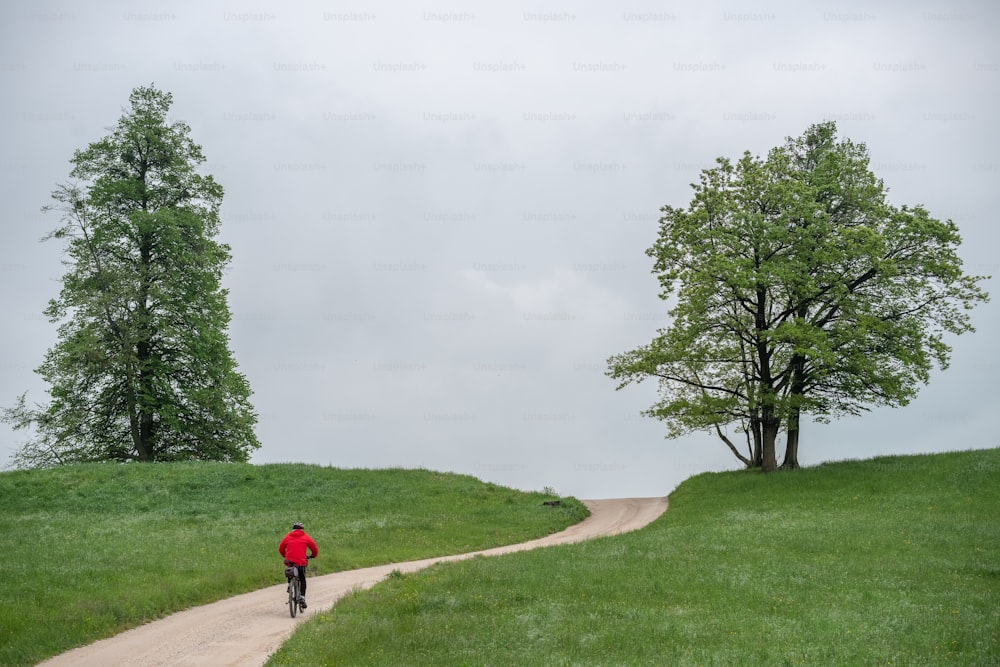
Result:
[[142, 368], [799, 290]]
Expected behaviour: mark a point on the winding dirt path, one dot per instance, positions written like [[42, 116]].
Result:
[[246, 629]]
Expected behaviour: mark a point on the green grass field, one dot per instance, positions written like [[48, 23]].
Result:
[[91, 550], [892, 561]]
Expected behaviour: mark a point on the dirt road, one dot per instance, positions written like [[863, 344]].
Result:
[[246, 629]]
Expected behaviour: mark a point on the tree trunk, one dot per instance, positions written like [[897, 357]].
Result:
[[133, 420], [758, 439], [769, 433], [146, 449], [769, 424], [791, 460], [144, 350]]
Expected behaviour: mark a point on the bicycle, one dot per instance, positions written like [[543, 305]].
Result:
[[294, 597]]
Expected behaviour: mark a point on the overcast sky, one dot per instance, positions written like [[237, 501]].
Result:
[[438, 211]]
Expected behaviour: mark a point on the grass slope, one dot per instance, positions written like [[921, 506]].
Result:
[[91, 550], [893, 561]]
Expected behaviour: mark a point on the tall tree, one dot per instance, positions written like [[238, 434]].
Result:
[[800, 290], [142, 368]]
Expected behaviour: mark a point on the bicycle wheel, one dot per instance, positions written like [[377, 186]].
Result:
[[293, 596]]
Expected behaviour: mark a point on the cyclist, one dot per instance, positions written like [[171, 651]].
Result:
[[295, 547]]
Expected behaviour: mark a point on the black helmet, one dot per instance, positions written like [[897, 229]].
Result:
[[297, 525]]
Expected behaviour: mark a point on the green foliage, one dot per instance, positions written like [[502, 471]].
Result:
[[799, 290], [895, 561], [142, 368], [93, 549]]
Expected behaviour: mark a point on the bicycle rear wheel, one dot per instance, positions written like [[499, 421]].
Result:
[[293, 596]]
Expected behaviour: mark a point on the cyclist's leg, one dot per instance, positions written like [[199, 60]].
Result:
[[302, 580]]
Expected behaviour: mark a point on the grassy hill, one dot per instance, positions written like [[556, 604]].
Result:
[[91, 550], [892, 561]]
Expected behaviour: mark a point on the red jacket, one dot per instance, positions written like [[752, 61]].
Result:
[[293, 547]]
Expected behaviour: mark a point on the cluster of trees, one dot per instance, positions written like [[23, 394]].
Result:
[[142, 369], [796, 289]]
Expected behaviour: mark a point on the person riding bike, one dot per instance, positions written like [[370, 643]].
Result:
[[295, 547]]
